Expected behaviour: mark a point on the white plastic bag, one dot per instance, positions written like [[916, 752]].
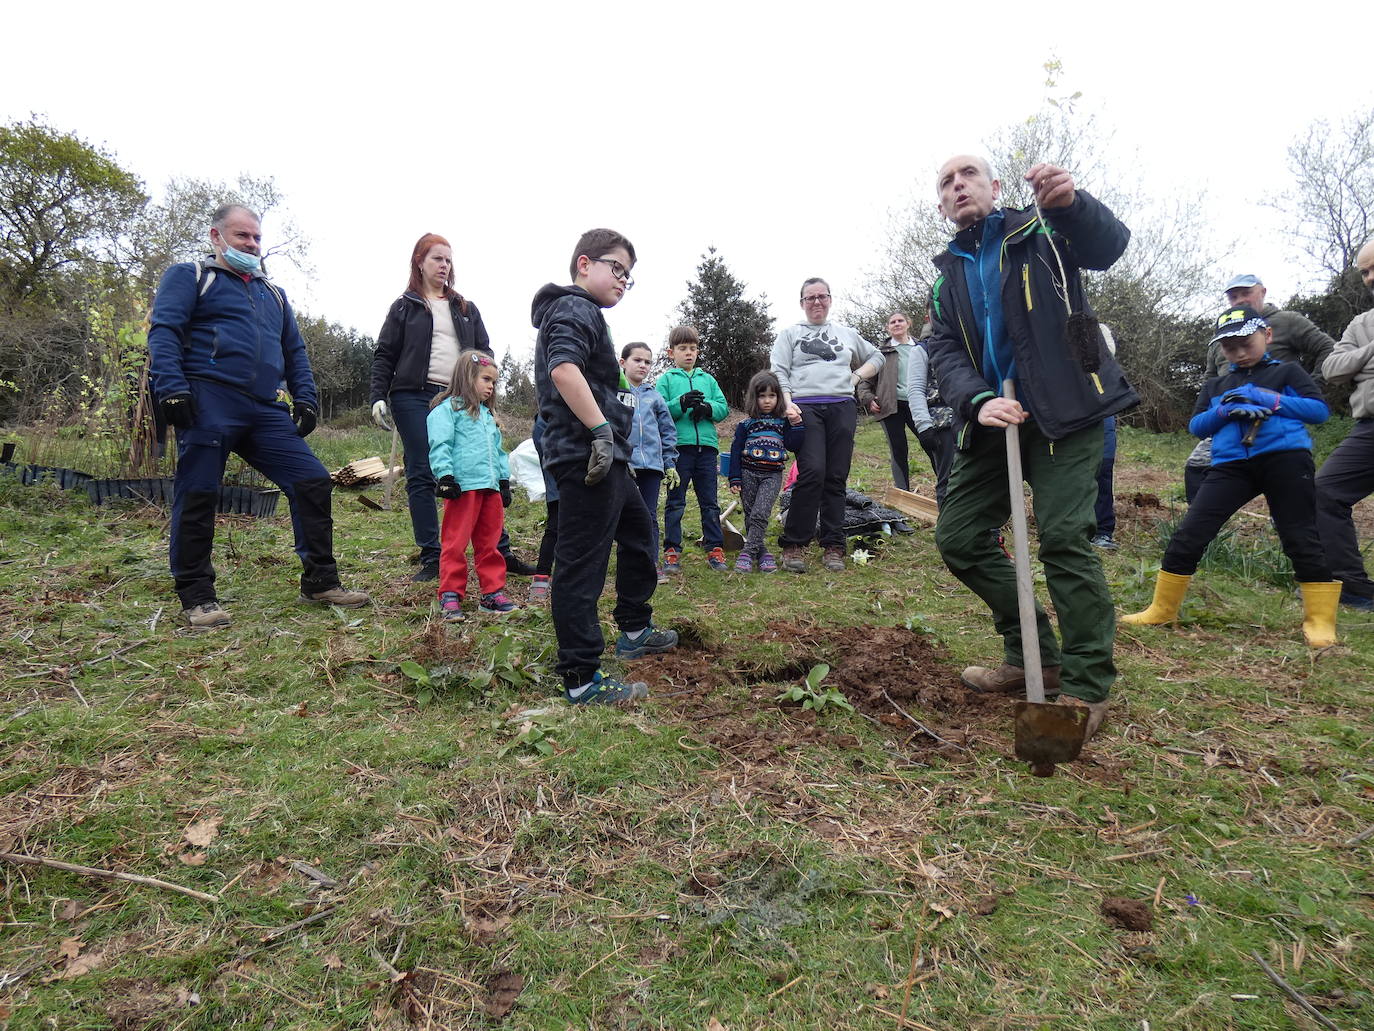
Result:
[[525, 470]]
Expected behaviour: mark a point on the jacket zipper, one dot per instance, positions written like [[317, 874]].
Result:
[[1025, 285]]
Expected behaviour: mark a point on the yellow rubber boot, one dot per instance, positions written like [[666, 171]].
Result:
[[1169, 591], [1319, 602]]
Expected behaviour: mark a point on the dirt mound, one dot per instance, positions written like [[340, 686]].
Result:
[[1127, 914]]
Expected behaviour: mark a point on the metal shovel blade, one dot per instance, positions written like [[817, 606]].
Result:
[[1047, 733]]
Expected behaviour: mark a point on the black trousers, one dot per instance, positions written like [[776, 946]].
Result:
[[822, 473], [590, 520], [1347, 476], [895, 426], [1285, 478]]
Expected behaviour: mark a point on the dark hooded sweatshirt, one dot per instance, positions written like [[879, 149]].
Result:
[[572, 329]]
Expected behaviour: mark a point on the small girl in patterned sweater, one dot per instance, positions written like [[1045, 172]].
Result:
[[757, 456]]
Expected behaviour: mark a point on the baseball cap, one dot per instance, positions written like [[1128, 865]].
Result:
[[1243, 282], [1238, 322]]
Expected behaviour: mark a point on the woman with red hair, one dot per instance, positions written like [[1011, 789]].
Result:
[[424, 332]]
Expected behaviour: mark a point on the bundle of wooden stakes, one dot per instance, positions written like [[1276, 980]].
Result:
[[365, 471]]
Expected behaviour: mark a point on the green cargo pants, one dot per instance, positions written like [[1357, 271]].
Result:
[[1063, 479]]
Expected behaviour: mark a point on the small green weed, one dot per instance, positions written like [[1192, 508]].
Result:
[[812, 696]]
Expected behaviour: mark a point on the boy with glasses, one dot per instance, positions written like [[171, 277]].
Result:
[[587, 420]]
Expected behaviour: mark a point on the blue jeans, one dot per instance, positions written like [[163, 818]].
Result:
[[698, 467], [1105, 509], [409, 410]]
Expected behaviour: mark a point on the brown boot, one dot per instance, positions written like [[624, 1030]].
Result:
[[337, 595], [1097, 712], [833, 559], [793, 560], [1007, 679]]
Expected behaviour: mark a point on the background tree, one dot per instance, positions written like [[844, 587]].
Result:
[[63, 204], [517, 383], [341, 359], [736, 333]]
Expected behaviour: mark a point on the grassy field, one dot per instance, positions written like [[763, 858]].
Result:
[[403, 827]]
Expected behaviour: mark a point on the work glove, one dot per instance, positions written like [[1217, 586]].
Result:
[[505, 494], [702, 410], [690, 400], [603, 451], [671, 478], [447, 487], [305, 418], [381, 415], [1243, 411], [927, 438], [179, 410]]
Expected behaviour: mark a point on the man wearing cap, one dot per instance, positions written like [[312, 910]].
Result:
[[998, 313], [1347, 475], [1293, 339]]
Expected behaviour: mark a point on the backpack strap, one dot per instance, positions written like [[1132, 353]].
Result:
[[205, 278]]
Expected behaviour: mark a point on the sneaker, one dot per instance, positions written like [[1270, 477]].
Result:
[[672, 561], [792, 559], [540, 587], [496, 602], [743, 563], [1103, 541], [451, 607], [715, 558], [768, 564], [646, 642], [1007, 679], [833, 559], [662, 574], [606, 691], [427, 573], [518, 566], [337, 595], [1357, 601], [205, 616]]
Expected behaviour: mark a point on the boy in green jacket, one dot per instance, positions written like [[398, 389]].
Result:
[[696, 405]]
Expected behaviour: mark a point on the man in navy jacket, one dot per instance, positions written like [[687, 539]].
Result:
[[999, 311], [223, 342]]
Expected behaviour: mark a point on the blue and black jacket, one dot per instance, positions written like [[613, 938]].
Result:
[[997, 310], [226, 328], [1300, 403]]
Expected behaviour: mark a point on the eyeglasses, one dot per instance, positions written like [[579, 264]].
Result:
[[815, 299], [619, 271], [481, 359]]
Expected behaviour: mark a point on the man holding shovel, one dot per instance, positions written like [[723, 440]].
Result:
[[1008, 308]]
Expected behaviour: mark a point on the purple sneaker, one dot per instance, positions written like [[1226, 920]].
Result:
[[497, 603], [767, 563], [744, 564], [451, 607]]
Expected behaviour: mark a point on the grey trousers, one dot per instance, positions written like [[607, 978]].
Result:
[[1346, 477], [758, 491]]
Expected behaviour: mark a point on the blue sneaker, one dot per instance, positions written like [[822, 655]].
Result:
[[497, 602], [606, 691], [1357, 601], [646, 642]]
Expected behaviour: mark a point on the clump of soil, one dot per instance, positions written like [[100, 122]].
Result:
[[1146, 501], [1127, 914], [986, 905]]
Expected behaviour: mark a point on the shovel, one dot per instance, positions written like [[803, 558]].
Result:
[[1045, 733], [391, 465]]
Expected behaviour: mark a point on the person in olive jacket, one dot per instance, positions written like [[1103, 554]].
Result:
[[425, 329]]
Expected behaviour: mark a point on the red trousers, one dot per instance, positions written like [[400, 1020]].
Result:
[[476, 517]]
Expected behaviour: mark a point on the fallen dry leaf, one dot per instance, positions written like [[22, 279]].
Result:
[[202, 832], [502, 991], [186, 997], [715, 1025], [83, 964], [943, 910], [70, 909], [333, 962], [70, 948], [192, 858]]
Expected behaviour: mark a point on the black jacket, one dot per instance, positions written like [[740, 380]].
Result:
[[572, 330], [401, 361], [1060, 396]]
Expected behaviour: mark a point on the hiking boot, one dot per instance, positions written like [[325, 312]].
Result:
[[767, 563], [1103, 541], [792, 559], [644, 642], [606, 691], [337, 595], [517, 566], [1097, 712], [672, 561], [427, 573], [540, 587], [496, 603], [1357, 601], [833, 559], [1007, 679], [743, 563], [451, 607], [715, 558], [205, 616]]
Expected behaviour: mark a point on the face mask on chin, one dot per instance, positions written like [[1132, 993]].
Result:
[[240, 261]]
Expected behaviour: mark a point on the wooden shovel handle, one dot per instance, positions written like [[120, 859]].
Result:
[[1025, 590]]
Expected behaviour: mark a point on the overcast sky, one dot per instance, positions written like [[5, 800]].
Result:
[[780, 133]]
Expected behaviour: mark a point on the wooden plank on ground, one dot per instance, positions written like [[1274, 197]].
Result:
[[912, 504]]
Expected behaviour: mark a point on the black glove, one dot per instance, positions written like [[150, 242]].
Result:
[[447, 487], [179, 410], [603, 451], [927, 438], [305, 418], [702, 410], [505, 494], [690, 400]]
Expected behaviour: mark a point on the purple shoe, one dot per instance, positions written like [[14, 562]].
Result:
[[767, 563], [497, 603]]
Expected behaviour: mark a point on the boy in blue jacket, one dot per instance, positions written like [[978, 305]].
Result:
[[1255, 414]]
